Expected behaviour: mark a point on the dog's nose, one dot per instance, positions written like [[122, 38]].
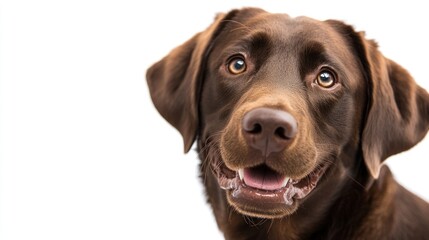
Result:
[[268, 130]]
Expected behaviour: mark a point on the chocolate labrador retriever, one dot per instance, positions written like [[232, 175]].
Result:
[[293, 119]]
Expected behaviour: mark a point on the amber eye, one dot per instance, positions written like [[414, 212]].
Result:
[[326, 79], [237, 65]]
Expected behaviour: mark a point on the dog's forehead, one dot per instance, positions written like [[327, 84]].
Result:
[[282, 30]]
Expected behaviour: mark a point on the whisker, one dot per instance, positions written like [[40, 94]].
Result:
[[270, 226], [354, 180], [334, 163], [210, 152], [209, 140]]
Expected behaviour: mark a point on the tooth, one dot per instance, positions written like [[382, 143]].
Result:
[[241, 173], [285, 181]]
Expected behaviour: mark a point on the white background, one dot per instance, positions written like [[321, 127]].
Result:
[[84, 154]]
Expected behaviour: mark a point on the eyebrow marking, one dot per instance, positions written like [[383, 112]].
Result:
[[260, 48], [311, 56]]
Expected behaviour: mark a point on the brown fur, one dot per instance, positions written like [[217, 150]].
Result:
[[375, 111]]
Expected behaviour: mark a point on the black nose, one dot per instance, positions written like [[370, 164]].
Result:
[[268, 130]]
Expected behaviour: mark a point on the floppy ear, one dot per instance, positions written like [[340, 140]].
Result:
[[174, 81], [398, 109], [399, 114]]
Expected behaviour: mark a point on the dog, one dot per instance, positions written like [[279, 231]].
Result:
[[293, 119]]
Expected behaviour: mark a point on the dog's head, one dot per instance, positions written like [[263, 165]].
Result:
[[281, 104]]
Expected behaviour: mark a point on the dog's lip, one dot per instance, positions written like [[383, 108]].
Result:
[[285, 192]]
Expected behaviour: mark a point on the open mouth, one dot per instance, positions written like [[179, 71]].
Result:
[[261, 187]]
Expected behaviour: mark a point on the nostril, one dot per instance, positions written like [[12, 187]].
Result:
[[280, 132], [256, 129]]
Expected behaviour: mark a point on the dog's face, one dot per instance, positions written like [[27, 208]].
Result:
[[284, 107], [281, 98]]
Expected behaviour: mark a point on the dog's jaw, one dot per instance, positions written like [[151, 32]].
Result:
[[249, 195]]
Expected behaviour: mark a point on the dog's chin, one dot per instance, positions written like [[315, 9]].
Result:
[[264, 193]]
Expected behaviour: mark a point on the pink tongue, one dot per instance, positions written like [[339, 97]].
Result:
[[262, 178]]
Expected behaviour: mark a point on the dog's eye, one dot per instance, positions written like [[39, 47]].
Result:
[[237, 65], [326, 79]]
